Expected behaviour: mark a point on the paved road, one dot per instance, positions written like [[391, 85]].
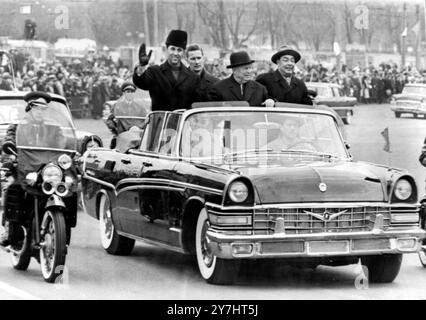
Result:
[[154, 273]]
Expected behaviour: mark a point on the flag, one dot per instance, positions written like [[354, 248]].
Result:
[[336, 48], [404, 33], [416, 28], [26, 9], [385, 134]]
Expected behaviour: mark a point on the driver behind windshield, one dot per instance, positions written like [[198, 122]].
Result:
[[289, 136], [14, 195]]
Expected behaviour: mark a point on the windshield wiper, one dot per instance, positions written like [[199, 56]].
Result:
[[236, 153], [308, 152]]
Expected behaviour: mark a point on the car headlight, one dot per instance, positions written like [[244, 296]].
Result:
[[52, 174], [238, 191], [65, 161], [403, 189]]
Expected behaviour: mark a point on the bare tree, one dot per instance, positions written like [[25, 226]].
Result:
[[235, 19], [276, 20], [213, 16]]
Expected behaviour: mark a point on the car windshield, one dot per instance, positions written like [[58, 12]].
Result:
[[222, 134], [11, 110], [414, 90]]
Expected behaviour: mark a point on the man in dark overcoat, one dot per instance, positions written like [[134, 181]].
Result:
[[240, 86], [281, 84], [171, 85], [196, 60]]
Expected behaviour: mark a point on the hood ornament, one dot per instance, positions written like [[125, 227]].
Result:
[[323, 187], [326, 215]]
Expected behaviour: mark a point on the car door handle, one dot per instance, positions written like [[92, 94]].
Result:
[[125, 160], [147, 164]]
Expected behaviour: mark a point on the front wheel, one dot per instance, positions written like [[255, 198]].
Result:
[[382, 268], [21, 256], [422, 255], [111, 241], [53, 249], [214, 270]]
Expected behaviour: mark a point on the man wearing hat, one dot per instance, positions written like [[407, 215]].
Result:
[[126, 106], [282, 85], [171, 85], [240, 86]]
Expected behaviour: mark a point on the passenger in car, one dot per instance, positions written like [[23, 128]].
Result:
[[240, 86]]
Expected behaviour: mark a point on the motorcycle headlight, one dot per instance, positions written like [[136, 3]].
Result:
[[238, 191], [52, 174], [403, 189], [65, 161]]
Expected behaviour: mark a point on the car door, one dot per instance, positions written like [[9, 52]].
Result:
[[150, 193], [129, 171]]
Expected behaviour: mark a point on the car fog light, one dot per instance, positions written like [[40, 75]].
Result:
[[31, 178], [230, 220], [242, 249], [404, 218], [405, 244]]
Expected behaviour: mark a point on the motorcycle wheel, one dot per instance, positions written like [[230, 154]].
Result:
[[21, 260], [53, 249], [422, 255]]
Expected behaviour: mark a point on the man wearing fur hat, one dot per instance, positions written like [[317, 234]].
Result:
[[282, 85], [171, 85], [240, 86]]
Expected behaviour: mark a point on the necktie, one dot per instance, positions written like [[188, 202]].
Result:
[[242, 90]]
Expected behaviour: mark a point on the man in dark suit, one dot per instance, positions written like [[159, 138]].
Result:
[[171, 85], [281, 84], [196, 59], [240, 86]]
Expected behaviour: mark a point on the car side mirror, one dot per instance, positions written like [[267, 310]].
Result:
[[347, 145]]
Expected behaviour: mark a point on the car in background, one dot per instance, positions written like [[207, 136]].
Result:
[[12, 109], [331, 94], [227, 182], [412, 100]]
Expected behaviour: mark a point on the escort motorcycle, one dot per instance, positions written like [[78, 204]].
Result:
[[40, 189]]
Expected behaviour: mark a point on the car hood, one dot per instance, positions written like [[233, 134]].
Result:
[[344, 180], [405, 96]]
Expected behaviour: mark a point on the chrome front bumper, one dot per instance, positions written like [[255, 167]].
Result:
[[392, 241], [408, 109]]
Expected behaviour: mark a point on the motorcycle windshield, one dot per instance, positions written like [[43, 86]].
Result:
[[129, 114], [47, 128]]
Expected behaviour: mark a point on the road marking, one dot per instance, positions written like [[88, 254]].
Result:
[[17, 292]]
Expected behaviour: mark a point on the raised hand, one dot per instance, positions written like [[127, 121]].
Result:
[[143, 57]]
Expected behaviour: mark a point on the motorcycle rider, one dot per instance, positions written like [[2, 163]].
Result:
[[13, 204]]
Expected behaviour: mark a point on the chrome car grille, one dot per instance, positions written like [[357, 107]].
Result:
[[316, 220], [407, 103]]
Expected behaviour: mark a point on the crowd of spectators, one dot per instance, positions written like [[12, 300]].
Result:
[[98, 79]]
